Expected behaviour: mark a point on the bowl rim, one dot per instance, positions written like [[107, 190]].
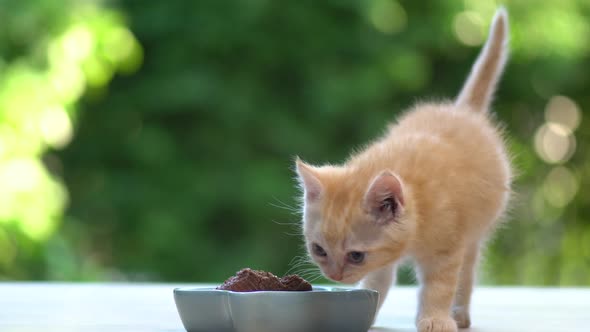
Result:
[[315, 290]]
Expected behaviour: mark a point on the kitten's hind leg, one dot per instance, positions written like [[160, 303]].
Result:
[[381, 281], [465, 286]]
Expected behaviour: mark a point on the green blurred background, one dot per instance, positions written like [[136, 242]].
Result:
[[154, 140]]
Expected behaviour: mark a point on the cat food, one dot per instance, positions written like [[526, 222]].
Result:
[[248, 280]]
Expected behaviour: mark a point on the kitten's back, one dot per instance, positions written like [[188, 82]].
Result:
[[456, 162]]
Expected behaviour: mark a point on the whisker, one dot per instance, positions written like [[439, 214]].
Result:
[[314, 279], [294, 259], [315, 276], [285, 206], [298, 258], [293, 225], [295, 228], [304, 263], [313, 273], [294, 268], [304, 268], [289, 223], [298, 263]]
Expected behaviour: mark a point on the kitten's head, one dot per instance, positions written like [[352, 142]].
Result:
[[354, 221]]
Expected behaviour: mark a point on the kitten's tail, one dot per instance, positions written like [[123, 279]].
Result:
[[480, 85]]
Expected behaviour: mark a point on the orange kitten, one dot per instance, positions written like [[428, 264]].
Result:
[[432, 189]]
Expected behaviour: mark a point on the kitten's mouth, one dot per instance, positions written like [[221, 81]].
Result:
[[347, 279], [350, 280]]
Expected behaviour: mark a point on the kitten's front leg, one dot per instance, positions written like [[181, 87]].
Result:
[[381, 281], [439, 283]]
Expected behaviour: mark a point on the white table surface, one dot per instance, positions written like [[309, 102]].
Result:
[[49, 307]]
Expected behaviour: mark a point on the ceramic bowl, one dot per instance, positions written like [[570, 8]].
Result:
[[322, 309]]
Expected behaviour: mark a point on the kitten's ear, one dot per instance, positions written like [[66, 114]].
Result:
[[385, 198], [308, 178]]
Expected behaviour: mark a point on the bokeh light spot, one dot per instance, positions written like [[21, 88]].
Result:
[[543, 214], [19, 175], [2, 147], [56, 127], [7, 140], [119, 44], [486, 8], [98, 72], [410, 69], [68, 81], [554, 143], [560, 187], [564, 111], [468, 27], [77, 43], [560, 32], [387, 16]]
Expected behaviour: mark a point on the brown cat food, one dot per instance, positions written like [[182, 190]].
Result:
[[248, 280]]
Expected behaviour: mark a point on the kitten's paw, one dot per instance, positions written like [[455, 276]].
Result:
[[461, 316], [436, 324]]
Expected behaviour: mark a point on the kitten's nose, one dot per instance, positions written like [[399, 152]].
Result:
[[337, 276]]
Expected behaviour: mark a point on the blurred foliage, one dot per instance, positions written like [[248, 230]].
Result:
[[52, 52], [182, 171]]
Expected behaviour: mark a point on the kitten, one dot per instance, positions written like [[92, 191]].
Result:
[[431, 189]]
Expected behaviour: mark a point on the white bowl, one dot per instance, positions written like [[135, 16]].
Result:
[[323, 309]]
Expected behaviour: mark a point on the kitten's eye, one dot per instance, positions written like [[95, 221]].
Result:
[[388, 204], [356, 257], [319, 251]]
